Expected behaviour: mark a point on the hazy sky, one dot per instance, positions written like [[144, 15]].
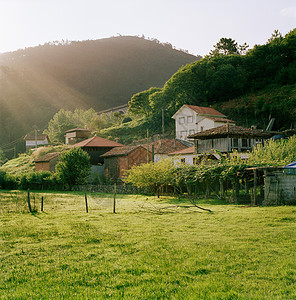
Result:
[[194, 25]]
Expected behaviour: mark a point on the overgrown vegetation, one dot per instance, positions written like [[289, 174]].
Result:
[[197, 179], [180, 254]]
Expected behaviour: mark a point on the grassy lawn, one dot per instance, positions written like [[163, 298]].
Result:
[[236, 252]]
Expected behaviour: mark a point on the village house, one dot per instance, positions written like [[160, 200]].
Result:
[[47, 162], [162, 147], [119, 159], [76, 135], [95, 147], [36, 140], [190, 119], [228, 138]]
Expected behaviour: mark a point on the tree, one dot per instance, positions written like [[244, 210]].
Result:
[[64, 120], [140, 103], [228, 46], [154, 175], [73, 167]]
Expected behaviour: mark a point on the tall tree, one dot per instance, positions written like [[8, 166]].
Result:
[[73, 167], [140, 102], [228, 46]]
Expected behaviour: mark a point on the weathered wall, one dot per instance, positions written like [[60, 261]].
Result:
[[280, 188]]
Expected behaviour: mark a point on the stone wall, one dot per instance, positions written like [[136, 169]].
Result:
[[280, 188]]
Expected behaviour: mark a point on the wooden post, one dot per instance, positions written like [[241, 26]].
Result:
[[255, 187], [42, 203], [29, 201], [236, 190], [114, 199], [221, 189], [86, 206]]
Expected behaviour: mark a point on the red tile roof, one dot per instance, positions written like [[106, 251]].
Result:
[[165, 146], [47, 157], [222, 120], [205, 110], [189, 150], [97, 141], [120, 151], [232, 130]]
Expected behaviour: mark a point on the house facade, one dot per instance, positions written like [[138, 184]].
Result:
[[119, 159], [76, 135], [228, 138], [36, 140], [47, 162], [163, 147], [190, 119]]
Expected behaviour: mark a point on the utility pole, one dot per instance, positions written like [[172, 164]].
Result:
[[36, 138], [162, 112]]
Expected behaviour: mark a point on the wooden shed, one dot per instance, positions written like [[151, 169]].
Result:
[[119, 159], [47, 162]]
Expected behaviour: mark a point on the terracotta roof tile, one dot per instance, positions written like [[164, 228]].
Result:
[[165, 146], [97, 141], [47, 157], [222, 120], [232, 130], [205, 110], [189, 150], [120, 151]]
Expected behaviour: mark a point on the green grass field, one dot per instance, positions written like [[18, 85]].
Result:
[[147, 250]]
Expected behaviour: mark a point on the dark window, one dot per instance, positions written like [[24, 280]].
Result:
[[182, 160]]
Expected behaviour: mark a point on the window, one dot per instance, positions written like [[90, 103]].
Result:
[[245, 143], [183, 134], [235, 143], [189, 119], [195, 160], [182, 160], [181, 120], [191, 131]]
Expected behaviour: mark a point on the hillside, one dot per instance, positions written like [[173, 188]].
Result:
[[250, 89], [36, 82]]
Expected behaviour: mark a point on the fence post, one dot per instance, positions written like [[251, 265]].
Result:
[[255, 187], [114, 199], [42, 203], [86, 206], [29, 201]]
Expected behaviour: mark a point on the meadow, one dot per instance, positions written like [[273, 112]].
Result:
[[150, 249]]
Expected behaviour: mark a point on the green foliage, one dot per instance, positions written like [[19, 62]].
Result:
[[228, 46], [38, 181], [140, 103], [73, 167], [153, 175], [217, 79], [274, 153], [65, 120]]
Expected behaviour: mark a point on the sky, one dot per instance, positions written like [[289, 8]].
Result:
[[193, 25]]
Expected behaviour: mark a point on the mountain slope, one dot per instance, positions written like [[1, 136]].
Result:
[[36, 82]]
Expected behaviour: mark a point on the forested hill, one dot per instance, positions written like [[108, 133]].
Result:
[[36, 82]]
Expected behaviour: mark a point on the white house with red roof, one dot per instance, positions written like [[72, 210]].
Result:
[[190, 119]]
